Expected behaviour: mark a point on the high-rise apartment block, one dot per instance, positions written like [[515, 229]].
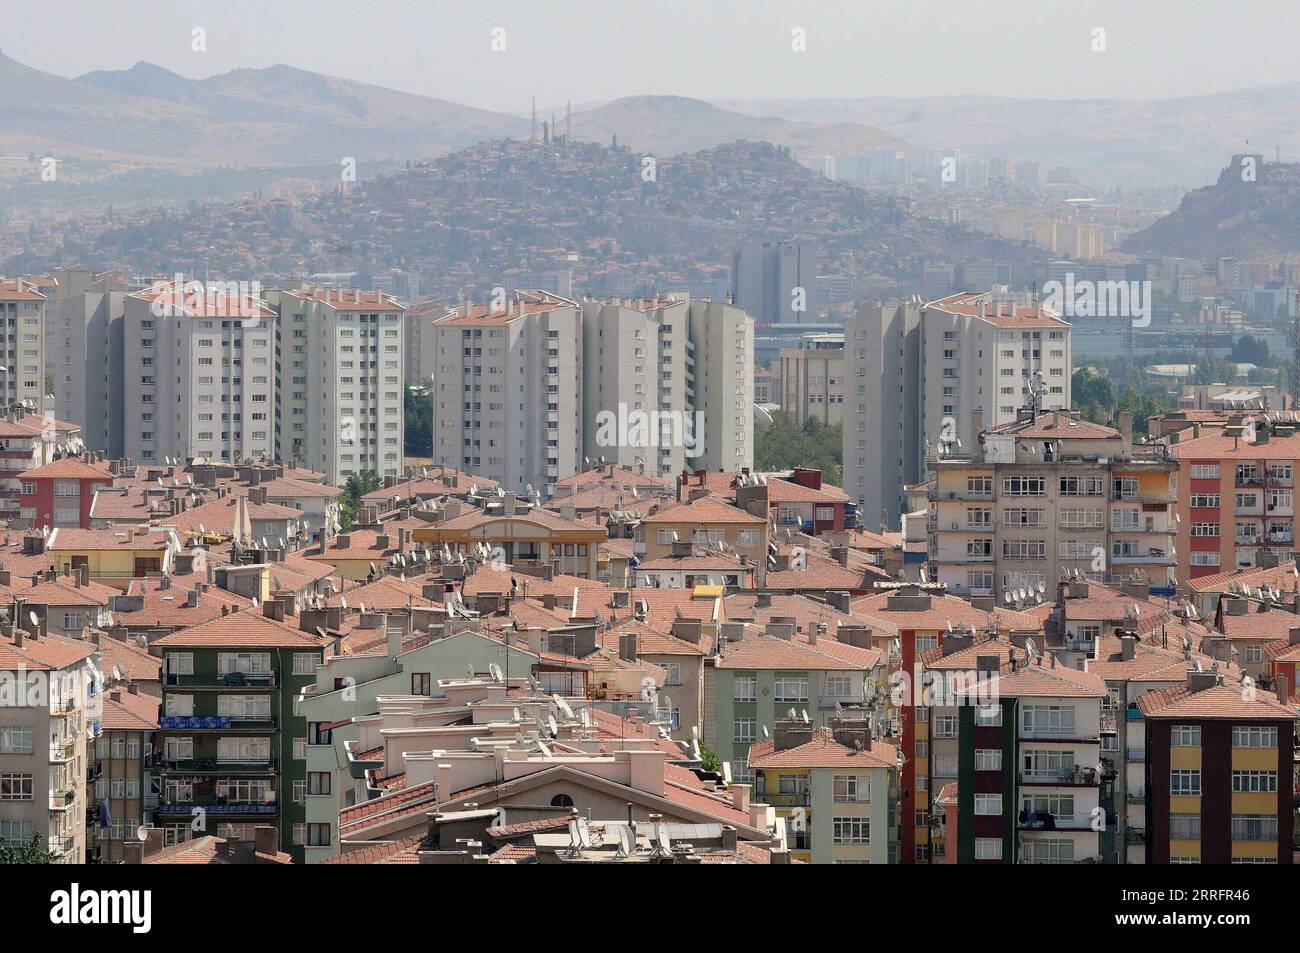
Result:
[[22, 342], [775, 281], [525, 392], [339, 391], [198, 378], [917, 372]]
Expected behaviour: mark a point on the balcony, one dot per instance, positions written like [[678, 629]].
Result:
[[1136, 797], [61, 799], [1134, 835], [226, 680], [802, 799], [1136, 754], [1153, 557], [263, 724], [1080, 776], [1043, 821], [214, 805], [213, 766], [63, 753], [62, 846]]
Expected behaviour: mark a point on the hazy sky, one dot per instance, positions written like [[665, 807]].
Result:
[[587, 50]]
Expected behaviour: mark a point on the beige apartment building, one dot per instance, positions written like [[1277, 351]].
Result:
[[121, 773], [339, 392], [22, 342], [526, 393], [198, 377], [1043, 498], [44, 733], [812, 379]]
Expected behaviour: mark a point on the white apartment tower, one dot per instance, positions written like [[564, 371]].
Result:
[[507, 391], [918, 372], [198, 378], [22, 342], [525, 393], [340, 382], [688, 365]]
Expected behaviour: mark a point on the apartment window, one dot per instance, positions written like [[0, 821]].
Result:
[[852, 830], [988, 759], [945, 726], [244, 663], [421, 683], [745, 731], [1252, 736], [318, 782], [15, 787], [179, 706], [1254, 782], [1205, 471], [1054, 851], [745, 688], [852, 788], [1186, 782], [244, 707], [988, 805], [318, 835], [1185, 736], [1254, 827], [16, 833], [790, 688], [1184, 827], [1205, 501], [1048, 720], [304, 663], [15, 739], [990, 716], [244, 750], [178, 749], [988, 848], [1024, 486]]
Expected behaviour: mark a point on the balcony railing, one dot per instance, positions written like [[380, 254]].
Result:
[[1074, 775], [213, 805], [786, 800], [214, 766], [224, 680], [61, 753]]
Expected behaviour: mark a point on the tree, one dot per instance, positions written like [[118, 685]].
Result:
[[358, 485], [1250, 350], [1089, 388], [418, 408], [785, 445], [34, 852], [709, 759]]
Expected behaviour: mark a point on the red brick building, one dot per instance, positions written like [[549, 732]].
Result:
[[61, 493]]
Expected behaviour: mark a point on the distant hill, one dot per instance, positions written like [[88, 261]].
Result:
[[273, 116], [499, 211], [1106, 142], [670, 125], [1234, 218]]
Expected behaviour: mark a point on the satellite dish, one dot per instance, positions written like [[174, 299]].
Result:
[[584, 832], [320, 632], [36, 623], [661, 837], [561, 704], [626, 845], [495, 671], [806, 719], [726, 772], [142, 834], [517, 715], [552, 726], [766, 734]]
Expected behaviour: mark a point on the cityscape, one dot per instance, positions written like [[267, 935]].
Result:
[[696, 468]]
